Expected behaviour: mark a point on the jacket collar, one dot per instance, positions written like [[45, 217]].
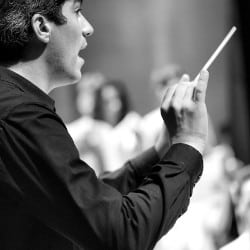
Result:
[[25, 85]]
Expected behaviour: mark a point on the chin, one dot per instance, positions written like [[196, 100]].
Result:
[[78, 68], [74, 78], [78, 75], [78, 78], [75, 75], [72, 73]]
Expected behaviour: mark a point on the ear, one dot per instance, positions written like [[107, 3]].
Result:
[[42, 27]]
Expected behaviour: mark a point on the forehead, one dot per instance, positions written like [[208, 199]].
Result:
[[70, 5]]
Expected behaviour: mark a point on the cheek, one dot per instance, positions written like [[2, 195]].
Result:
[[63, 53], [63, 64], [66, 43], [57, 49], [66, 49], [54, 57]]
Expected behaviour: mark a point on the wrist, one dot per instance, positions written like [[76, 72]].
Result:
[[161, 148], [199, 143]]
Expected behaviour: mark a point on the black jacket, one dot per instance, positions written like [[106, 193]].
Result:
[[51, 200]]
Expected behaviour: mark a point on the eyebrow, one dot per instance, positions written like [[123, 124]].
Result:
[[78, 1]]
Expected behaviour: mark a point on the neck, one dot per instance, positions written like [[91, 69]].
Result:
[[36, 72]]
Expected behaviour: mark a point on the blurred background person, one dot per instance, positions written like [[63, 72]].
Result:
[[113, 105], [112, 102], [242, 210], [81, 128], [106, 133]]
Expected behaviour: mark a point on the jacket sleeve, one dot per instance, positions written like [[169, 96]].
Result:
[[48, 179], [131, 175]]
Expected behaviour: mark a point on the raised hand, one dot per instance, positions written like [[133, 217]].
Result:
[[184, 111]]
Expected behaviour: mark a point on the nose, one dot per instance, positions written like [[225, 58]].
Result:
[[88, 29]]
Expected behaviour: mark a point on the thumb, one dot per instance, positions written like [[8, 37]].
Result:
[[201, 87]]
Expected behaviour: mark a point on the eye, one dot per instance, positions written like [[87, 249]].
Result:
[[78, 11]]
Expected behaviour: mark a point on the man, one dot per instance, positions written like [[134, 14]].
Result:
[[49, 198]]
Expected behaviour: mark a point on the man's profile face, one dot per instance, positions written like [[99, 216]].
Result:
[[66, 42]]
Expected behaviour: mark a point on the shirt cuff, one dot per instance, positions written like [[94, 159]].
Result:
[[188, 157]]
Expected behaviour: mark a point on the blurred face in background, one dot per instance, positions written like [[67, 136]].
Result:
[[111, 105], [112, 102]]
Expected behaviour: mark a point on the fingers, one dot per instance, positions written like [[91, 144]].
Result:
[[172, 104], [201, 87], [184, 115], [170, 92], [168, 97], [178, 97], [186, 93], [183, 94], [188, 101]]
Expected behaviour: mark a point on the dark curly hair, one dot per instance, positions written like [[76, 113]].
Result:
[[15, 24]]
